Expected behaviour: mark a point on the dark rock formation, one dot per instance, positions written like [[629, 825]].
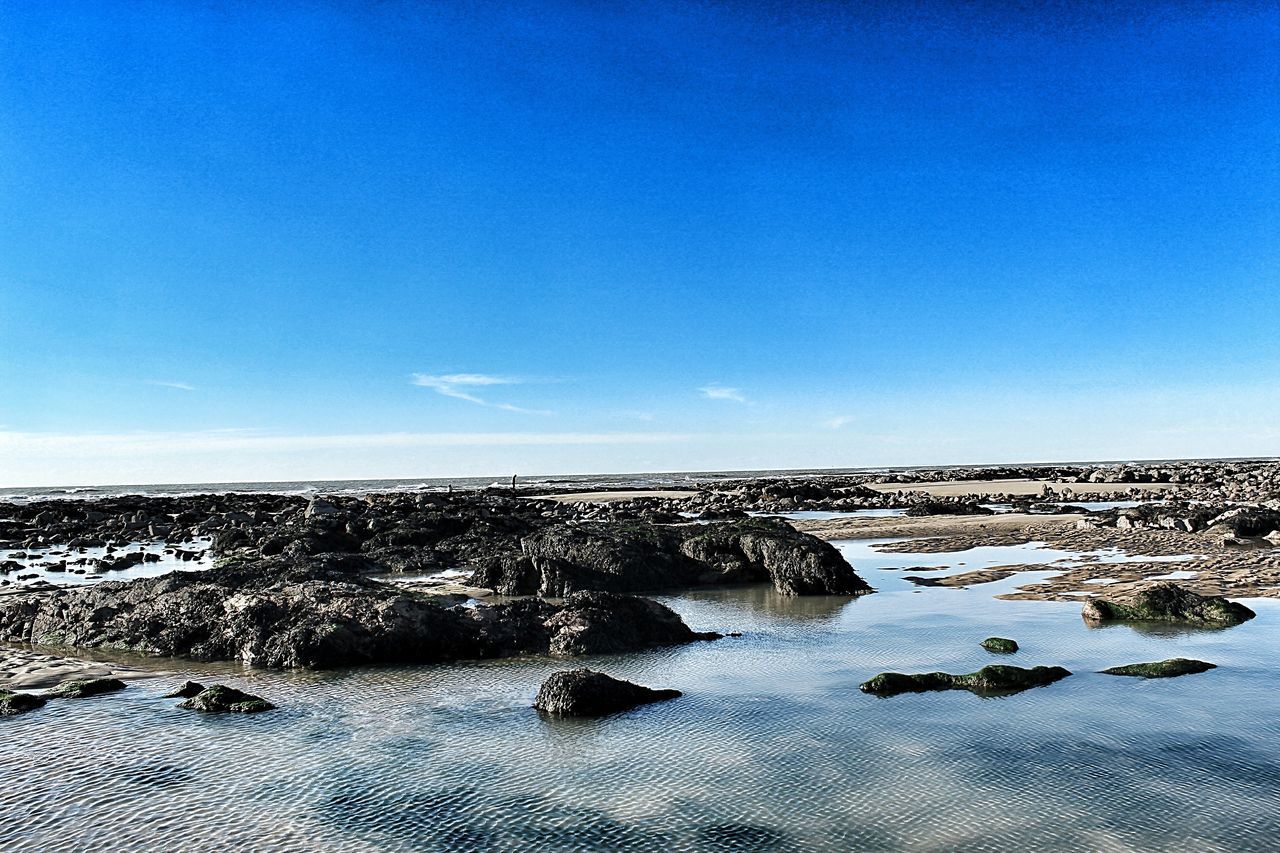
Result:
[[585, 693], [631, 557], [1000, 645], [82, 688], [219, 698], [185, 690], [1162, 669], [1168, 602], [949, 508], [324, 612], [12, 704], [992, 680]]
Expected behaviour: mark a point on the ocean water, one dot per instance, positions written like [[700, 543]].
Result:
[[772, 747]]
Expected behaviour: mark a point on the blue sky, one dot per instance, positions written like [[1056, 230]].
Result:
[[305, 239]]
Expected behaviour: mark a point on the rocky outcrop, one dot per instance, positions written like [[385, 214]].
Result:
[[1168, 602], [585, 693], [82, 688], [322, 613], [221, 699], [989, 681], [935, 507], [12, 704], [631, 557], [1000, 645], [1162, 669]]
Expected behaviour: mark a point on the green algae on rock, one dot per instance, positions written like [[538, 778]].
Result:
[[1001, 645], [1162, 668], [1168, 602], [82, 688], [219, 698], [990, 680], [12, 704]]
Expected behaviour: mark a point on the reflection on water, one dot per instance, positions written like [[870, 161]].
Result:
[[771, 747], [64, 566]]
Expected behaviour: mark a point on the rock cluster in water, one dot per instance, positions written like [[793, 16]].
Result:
[[325, 612], [1162, 669], [1000, 645], [219, 698], [990, 680], [586, 693], [1168, 602]]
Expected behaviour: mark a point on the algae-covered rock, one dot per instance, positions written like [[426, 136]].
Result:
[[82, 688], [990, 680], [219, 698], [1168, 602], [585, 693], [12, 704], [1162, 668], [185, 690], [1001, 645]]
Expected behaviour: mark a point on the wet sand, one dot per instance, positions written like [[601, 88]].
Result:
[[1219, 569], [31, 669], [1031, 488]]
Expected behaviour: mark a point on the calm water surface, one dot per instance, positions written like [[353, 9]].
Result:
[[772, 747]]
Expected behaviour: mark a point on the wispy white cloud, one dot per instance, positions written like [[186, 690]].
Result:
[[456, 385], [720, 392], [838, 421], [180, 386]]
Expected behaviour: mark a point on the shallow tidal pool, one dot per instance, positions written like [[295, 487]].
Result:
[[771, 747]]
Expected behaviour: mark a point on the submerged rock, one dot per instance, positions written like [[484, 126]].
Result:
[[219, 698], [323, 613], [82, 688], [1000, 645], [12, 704], [990, 680], [1162, 669], [1168, 602], [586, 693], [185, 691]]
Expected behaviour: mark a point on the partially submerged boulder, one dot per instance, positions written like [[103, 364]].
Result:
[[219, 698], [12, 704], [1000, 645], [1168, 602], [988, 681], [1170, 668], [586, 693], [82, 688], [185, 690]]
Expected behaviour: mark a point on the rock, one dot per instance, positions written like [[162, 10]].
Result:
[[12, 704], [1000, 645], [592, 623], [82, 688], [323, 613], [949, 508], [585, 693], [185, 691], [1162, 669], [1168, 602], [219, 698], [990, 680], [635, 556]]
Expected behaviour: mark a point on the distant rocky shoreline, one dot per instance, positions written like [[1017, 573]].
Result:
[[307, 582]]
